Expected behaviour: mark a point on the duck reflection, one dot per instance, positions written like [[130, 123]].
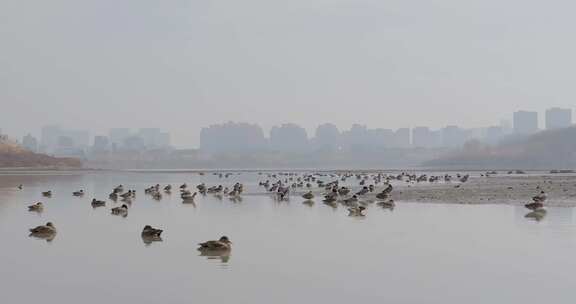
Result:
[[222, 255], [149, 239], [387, 204], [308, 203], [189, 202], [536, 215]]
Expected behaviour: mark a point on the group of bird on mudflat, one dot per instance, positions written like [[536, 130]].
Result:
[[281, 186]]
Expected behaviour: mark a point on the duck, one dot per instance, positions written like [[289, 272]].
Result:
[[20, 187], [47, 229], [36, 207], [152, 232], [540, 198], [96, 203], [47, 193], [223, 244], [534, 206], [188, 197], [356, 211], [382, 195], [122, 210], [168, 188], [308, 195], [78, 193], [350, 200]]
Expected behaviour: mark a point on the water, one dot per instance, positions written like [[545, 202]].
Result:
[[283, 252]]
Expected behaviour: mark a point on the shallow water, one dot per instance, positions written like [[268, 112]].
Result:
[[283, 252]]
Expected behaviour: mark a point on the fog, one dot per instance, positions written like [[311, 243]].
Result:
[[183, 65]]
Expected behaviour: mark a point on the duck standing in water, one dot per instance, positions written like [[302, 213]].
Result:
[[538, 201], [223, 244], [38, 207], [47, 232]]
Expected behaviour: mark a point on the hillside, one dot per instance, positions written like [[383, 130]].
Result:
[[544, 150], [12, 155]]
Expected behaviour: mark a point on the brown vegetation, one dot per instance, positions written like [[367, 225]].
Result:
[[12, 155]]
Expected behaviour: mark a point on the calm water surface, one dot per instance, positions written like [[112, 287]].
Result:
[[284, 252]]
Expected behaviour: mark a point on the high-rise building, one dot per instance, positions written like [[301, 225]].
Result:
[[118, 136], [525, 122], [150, 136], [101, 144], [289, 138], [30, 143], [421, 137], [557, 118], [402, 138], [494, 134], [453, 137], [327, 137], [49, 138]]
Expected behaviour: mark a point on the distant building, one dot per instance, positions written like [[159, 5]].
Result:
[[49, 138], [453, 137], [557, 118], [289, 138], [494, 134], [327, 137], [422, 137], [101, 144], [30, 143], [402, 138], [150, 136], [380, 138], [232, 137], [164, 140], [117, 136], [525, 122]]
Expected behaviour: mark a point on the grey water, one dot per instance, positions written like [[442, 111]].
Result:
[[283, 251]]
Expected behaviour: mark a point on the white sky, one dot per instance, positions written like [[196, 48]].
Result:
[[182, 65]]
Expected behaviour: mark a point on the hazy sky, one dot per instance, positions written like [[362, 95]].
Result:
[[184, 64]]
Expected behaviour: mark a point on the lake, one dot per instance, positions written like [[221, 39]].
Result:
[[283, 251]]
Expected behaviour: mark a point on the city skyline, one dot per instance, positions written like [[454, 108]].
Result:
[[450, 136]]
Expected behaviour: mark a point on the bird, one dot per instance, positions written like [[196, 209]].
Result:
[[382, 195], [356, 211], [308, 195], [152, 232], [534, 206], [540, 198], [36, 207], [223, 244], [122, 210], [96, 203], [43, 230], [47, 193], [78, 193], [20, 187]]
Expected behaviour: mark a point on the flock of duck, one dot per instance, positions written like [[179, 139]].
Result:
[[280, 186], [149, 234]]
